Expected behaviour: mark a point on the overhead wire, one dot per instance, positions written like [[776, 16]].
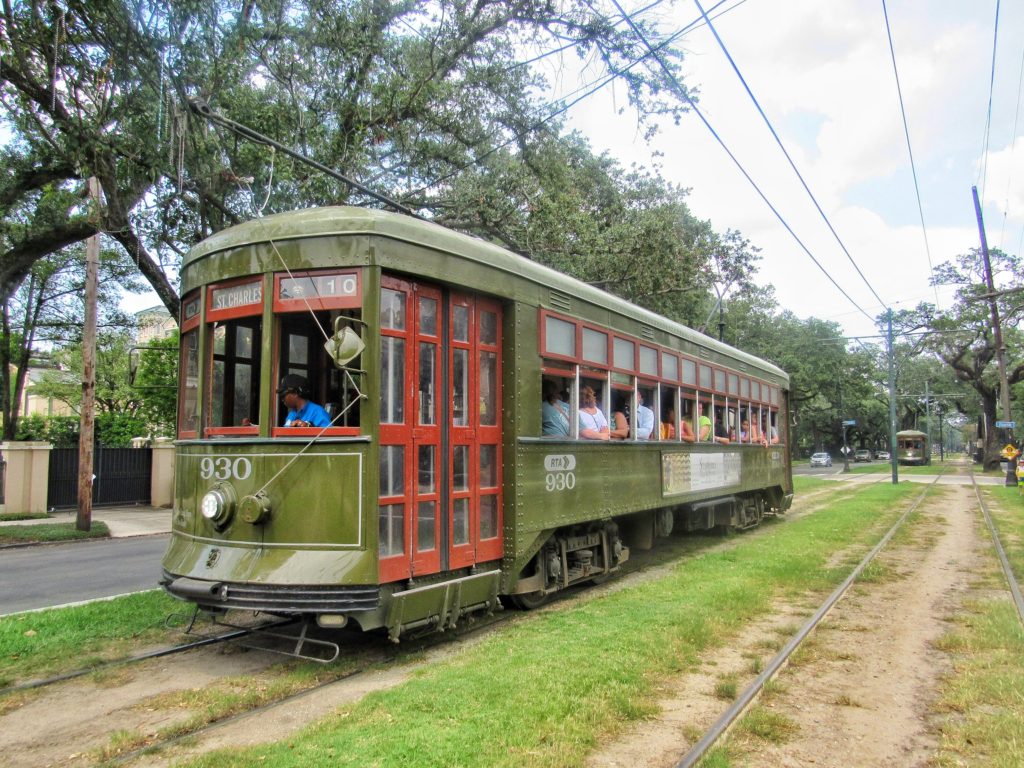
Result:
[[682, 92], [1013, 148], [587, 90], [778, 141], [988, 118], [910, 150]]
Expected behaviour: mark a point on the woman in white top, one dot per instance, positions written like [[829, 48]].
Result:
[[593, 424]]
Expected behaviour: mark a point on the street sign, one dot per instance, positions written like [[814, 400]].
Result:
[[1001, 424], [853, 423]]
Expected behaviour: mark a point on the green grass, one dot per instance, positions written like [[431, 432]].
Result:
[[547, 689], [49, 642], [5, 516], [935, 468], [804, 483], [46, 532]]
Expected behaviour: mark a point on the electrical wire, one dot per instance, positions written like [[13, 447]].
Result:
[[910, 151], [1013, 148], [682, 92], [988, 117], [778, 141]]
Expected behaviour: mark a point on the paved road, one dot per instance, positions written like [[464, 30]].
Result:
[[55, 574]]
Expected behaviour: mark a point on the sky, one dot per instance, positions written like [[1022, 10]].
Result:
[[823, 74]]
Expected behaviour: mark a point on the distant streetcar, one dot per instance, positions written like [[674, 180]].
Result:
[[912, 447], [433, 492]]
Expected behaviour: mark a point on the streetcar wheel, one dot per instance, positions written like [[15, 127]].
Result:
[[528, 601]]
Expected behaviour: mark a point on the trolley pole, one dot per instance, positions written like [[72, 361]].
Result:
[[997, 335], [892, 403], [85, 434]]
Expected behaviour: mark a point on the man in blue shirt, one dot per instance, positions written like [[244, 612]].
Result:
[[644, 418], [302, 412]]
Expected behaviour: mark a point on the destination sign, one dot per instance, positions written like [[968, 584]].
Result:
[[850, 423], [319, 286], [1006, 425], [234, 296], [191, 308]]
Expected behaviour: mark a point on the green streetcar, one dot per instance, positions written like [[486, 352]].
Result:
[[433, 491]]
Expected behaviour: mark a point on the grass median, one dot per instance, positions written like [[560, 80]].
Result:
[[547, 690], [39, 533], [62, 639], [985, 691]]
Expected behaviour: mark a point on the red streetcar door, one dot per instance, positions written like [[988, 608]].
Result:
[[474, 365], [426, 435], [440, 504]]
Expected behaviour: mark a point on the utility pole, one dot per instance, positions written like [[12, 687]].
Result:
[[892, 403], [997, 334], [928, 422], [85, 433]]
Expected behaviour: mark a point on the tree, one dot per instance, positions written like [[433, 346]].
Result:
[[962, 335], [46, 309], [407, 97]]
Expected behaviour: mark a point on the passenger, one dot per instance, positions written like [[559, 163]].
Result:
[[644, 419], [668, 425], [721, 432], [745, 431], [619, 427], [554, 411], [686, 432], [769, 435], [593, 424], [704, 425], [302, 412]]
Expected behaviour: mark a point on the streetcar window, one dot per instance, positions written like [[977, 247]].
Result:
[[669, 420], [189, 396], [705, 377], [624, 354], [301, 352], [559, 337], [648, 361], [734, 384], [595, 346], [689, 371], [392, 516], [236, 367], [669, 366]]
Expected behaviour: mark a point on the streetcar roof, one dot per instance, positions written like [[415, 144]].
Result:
[[349, 221]]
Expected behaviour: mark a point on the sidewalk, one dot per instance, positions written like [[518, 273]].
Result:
[[122, 521]]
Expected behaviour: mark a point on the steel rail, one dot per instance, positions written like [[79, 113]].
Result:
[[391, 656], [745, 699], [1011, 578], [160, 652]]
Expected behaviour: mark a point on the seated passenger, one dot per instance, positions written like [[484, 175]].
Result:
[[721, 432], [644, 419], [686, 432], [769, 435], [668, 425], [593, 424], [744, 431], [619, 428], [554, 411], [302, 412], [705, 432]]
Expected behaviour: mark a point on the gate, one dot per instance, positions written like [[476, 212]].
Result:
[[122, 476]]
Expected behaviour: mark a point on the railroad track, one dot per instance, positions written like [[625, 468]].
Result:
[[1011, 578], [387, 654], [745, 699], [235, 634]]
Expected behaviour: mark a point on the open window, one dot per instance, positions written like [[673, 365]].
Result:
[[319, 337]]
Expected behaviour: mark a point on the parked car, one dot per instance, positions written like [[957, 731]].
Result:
[[862, 454], [883, 455], [821, 460]]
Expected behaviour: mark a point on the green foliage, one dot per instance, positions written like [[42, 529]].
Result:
[[113, 430], [38, 532]]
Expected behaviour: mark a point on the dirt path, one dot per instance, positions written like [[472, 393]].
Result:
[[859, 695]]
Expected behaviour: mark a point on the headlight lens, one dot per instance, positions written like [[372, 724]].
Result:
[[212, 506]]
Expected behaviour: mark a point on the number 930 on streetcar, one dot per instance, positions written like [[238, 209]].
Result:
[[388, 424]]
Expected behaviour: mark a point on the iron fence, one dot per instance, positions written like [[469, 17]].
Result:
[[121, 476]]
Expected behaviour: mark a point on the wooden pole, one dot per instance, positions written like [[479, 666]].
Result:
[[86, 430]]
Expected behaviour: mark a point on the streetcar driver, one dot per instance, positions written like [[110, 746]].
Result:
[[302, 412]]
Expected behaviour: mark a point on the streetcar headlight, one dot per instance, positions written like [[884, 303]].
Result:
[[218, 506], [212, 505]]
